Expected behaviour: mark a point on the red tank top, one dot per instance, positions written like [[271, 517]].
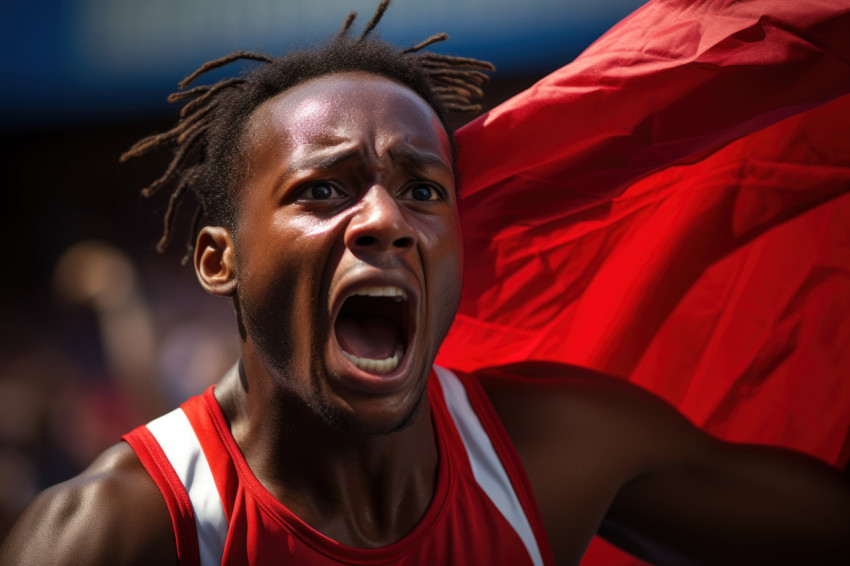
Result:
[[482, 512]]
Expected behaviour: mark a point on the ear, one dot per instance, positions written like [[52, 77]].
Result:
[[215, 261]]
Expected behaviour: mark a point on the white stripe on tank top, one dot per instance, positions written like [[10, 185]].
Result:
[[177, 438], [486, 465]]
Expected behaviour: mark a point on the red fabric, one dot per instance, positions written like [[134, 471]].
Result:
[[673, 208]]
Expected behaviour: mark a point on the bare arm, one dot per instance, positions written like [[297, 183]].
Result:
[[112, 513], [603, 454], [737, 504]]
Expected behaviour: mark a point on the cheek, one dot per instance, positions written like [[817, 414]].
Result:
[[446, 271], [451, 261], [444, 238], [281, 268], [446, 295]]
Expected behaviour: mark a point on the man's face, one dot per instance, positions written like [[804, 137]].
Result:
[[348, 258]]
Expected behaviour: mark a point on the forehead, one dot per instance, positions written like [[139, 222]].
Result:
[[350, 106]]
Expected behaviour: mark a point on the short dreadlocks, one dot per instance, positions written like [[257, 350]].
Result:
[[207, 140]]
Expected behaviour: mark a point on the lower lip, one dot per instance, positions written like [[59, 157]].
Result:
[[365, 382]]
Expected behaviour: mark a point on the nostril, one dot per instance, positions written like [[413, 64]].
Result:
[[366, 241], [369, 241]]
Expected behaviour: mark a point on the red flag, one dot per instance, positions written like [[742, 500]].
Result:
[[673, 208]]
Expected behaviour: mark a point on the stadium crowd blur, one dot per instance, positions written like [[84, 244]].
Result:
[[98, 333]]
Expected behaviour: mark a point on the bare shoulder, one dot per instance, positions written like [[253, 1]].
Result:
[[592, 413], [112, 513], [581, 437]]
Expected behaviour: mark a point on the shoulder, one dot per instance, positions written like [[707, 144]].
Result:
[[582, 437], [112, 513], [589, 411]]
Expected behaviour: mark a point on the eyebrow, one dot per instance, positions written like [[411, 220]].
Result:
[[410, 158], [419, 160], [322, 159]]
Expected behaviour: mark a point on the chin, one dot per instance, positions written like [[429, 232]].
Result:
[[378, 426], [374, 416]]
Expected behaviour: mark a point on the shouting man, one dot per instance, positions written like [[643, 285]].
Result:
[[327, 214]]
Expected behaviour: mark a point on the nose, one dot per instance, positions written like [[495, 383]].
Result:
[[379, 225]]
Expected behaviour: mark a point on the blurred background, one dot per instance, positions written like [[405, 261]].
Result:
[[97, 332]]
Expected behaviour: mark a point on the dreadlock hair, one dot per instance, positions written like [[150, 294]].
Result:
[[207, 141]]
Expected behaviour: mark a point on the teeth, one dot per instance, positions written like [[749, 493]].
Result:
[[375, 366], [395, 292]]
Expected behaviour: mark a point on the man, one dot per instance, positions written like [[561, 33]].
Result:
[[329, 196]]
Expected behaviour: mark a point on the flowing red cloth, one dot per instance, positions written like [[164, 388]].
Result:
[[673, 207]]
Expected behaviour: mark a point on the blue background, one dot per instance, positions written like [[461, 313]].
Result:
[[72, 61]]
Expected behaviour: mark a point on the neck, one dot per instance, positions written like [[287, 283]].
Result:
[[364, 490]]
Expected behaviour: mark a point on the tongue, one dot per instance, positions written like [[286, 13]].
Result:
[[373, 338]]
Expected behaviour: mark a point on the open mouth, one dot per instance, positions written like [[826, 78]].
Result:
[[372, 328]]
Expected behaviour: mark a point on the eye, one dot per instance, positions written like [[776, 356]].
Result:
[[423, 192], [321, 191]]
